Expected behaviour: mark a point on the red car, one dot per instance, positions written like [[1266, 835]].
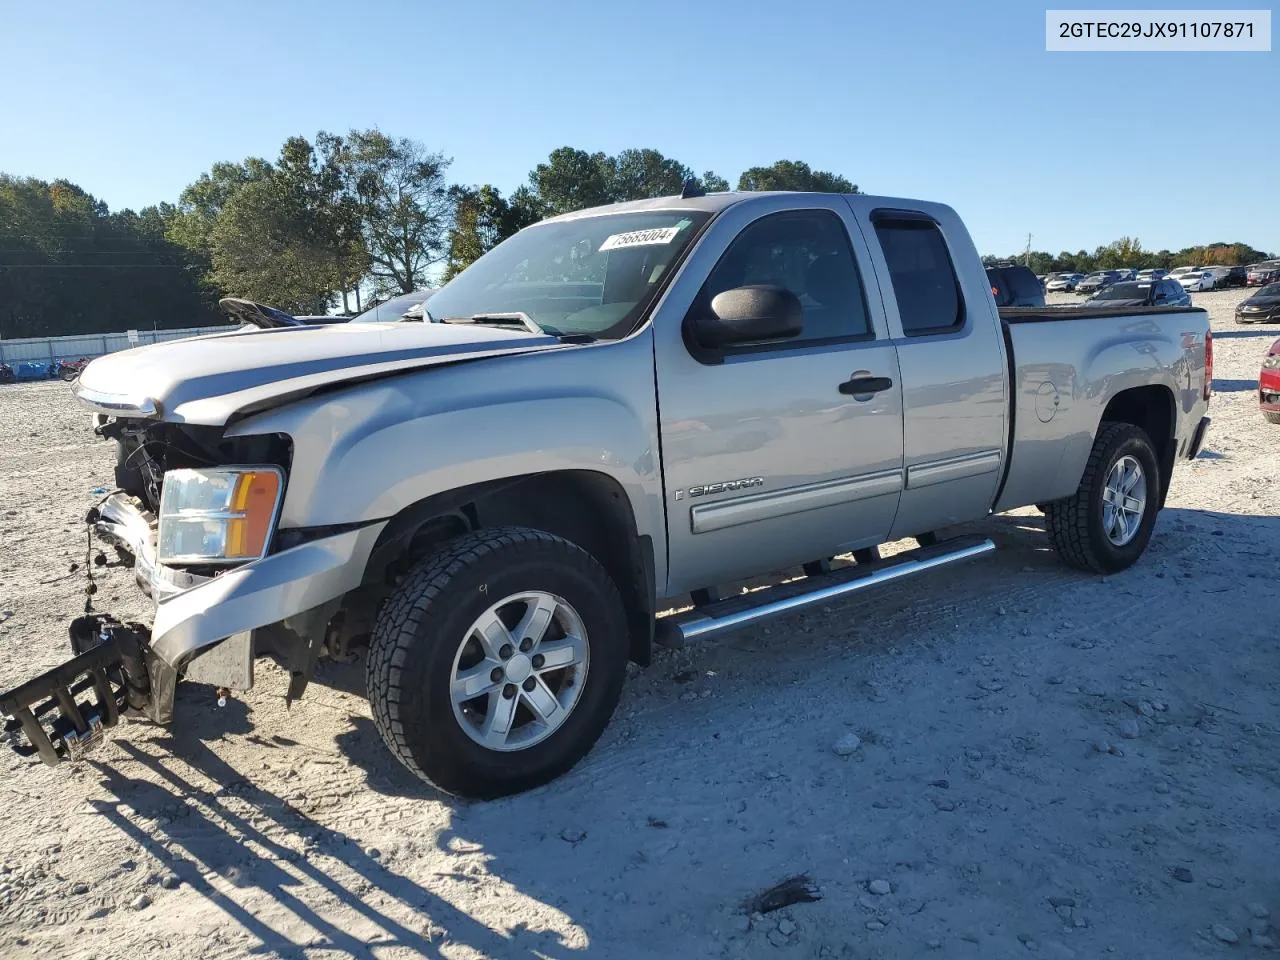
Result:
[[1260, 274], [1269, 384]]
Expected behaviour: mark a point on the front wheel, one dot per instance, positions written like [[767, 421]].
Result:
[[1105, 526], [496, 664], [1271, 417]]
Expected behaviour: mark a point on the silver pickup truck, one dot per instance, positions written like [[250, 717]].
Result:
[[612, 413]]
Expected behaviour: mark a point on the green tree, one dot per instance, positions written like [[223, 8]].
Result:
[[265, 246], [573, 179], [642, 174], [794, 175], [403, 205], [69, 265], [482, 219], [712, 182]]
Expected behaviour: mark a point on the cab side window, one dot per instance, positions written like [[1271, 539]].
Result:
[[923, 276], [808, 253]]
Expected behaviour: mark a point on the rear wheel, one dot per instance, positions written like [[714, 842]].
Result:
[[1105, 526], [496, 665], [1271, 417]]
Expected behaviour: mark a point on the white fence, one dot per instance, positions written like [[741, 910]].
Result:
[[45, 349]]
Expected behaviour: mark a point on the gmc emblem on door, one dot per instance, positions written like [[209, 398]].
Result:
[[724, 486]]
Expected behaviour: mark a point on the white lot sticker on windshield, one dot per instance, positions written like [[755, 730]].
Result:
[[640, 238]]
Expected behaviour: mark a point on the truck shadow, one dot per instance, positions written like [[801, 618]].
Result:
[[233, 842], [1233, 386], [1269, 332], [243, 837]]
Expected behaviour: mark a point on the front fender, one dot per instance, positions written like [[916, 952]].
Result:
[[366, 452]]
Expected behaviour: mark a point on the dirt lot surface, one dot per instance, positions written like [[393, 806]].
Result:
[[1047, 764]]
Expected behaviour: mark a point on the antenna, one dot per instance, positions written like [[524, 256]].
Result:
[[691, 188], [1026, 259]]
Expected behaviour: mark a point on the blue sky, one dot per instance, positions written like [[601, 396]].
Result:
[[944, 101]]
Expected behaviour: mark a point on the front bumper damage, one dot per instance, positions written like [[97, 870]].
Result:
[[205, 629]]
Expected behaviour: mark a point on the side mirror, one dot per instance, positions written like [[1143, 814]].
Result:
[[749, 314]]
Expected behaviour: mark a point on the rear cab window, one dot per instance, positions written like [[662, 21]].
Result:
[[924, 279]]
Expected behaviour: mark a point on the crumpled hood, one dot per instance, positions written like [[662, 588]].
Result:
[[209, 379]]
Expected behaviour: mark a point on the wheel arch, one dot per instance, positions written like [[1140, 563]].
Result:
[[1153, 409], [586, 507]]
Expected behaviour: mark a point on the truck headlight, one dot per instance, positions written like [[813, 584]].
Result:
[[218, 516]]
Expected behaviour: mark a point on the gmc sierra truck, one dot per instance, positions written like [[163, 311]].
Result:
[[609, 413]]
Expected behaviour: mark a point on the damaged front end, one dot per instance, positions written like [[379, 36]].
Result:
[[226, 586], [112, 665]]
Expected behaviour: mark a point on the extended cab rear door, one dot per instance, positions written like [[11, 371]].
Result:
[[951, 354], [771, 455]]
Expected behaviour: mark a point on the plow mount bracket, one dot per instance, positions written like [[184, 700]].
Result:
[[64, 712]]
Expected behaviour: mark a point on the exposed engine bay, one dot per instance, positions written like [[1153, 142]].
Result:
[[146, 449]]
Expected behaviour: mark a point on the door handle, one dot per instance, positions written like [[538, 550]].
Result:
[[859, 385]]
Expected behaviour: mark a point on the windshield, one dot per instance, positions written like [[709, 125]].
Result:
[[1124, 291], [390, 311], [589, 275]]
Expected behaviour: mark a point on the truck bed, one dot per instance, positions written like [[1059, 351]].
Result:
[[1069, 311], [1063, 374]]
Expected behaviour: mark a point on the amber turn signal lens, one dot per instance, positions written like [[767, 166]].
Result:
[[255, 501]]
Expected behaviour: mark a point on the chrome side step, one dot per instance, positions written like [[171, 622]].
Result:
[[749, 609]]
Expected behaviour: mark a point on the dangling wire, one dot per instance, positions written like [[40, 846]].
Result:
[[91, 588]]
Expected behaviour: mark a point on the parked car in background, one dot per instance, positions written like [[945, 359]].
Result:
[[1139, 293], [320, 319], [1125, 273], [1236, 277], [1220, 275], [6, 373], [1014, 285], [1097, 280], [1262, 307], [407, 306], [1197, 280], [1269, 384], [1063, 282], [1152, 273], [1260, 274]]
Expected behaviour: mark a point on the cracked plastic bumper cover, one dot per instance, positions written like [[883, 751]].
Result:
[[266, 591]]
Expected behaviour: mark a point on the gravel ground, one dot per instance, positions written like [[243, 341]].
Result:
[[1009, 759]]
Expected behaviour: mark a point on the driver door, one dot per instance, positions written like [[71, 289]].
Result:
[[774, 456]]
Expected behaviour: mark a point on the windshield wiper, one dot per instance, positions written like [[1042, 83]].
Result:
[[521, 319], [516, 318]]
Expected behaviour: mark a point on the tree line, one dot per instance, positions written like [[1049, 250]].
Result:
[[331, 221], [1128, 252], [339, 220]]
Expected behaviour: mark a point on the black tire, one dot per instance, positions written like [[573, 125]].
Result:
[[1271, 417], [1075, 524], [69, 375], [422, 624]]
